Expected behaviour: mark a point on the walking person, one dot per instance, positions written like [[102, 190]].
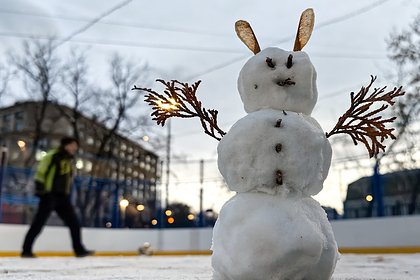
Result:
[[53, 180]]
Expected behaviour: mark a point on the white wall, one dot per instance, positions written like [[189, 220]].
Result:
[[401, 231], [57, 239], [386, 232]]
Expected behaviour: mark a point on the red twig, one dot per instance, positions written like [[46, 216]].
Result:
[[365, 125], [180, 100]]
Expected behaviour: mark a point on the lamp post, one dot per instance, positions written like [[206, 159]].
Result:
[[3, 163], [168, 162], [123, 204], [171, 105], [377, 186], [201, 215]]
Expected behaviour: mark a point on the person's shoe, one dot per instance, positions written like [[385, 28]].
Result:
[[28, 255], [84, 253]]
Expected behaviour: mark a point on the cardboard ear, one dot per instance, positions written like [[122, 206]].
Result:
[[306, 25], [244, 31]]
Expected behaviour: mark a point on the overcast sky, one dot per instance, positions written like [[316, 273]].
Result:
[[190, 40]]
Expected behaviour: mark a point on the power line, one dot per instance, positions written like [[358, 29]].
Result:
[[188, 161], [352, 14], [93, 22], [122, 24], [318, 26], [121, 43]]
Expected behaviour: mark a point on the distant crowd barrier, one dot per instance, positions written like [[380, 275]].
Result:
[[97, 200]]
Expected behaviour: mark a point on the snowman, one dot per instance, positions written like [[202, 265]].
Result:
[[275, 158]]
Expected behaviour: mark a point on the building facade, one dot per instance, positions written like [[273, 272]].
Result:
[[117, 159], [400, 195]]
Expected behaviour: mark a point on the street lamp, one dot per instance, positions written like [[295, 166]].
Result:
[[172, 105], [123, 205], [201, 214], [3, 163], [21, 144]]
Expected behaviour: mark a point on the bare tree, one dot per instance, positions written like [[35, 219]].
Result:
[[118, 100], [404, 48], [39, 67], [74, 78], [5, 76], [112, 110]]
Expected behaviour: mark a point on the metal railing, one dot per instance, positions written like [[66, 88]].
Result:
[[96, 200]]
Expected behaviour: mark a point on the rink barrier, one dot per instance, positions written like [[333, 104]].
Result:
[[55, 241], [380, 250], [399, 234], [111, 254]]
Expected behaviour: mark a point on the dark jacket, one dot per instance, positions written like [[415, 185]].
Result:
[[54, 173]]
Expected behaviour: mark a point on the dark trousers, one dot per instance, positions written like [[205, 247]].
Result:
[[62, 205]]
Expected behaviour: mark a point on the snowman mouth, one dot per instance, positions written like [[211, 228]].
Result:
[[286, 83]]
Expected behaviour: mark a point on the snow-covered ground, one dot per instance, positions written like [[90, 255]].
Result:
[[349, 267]]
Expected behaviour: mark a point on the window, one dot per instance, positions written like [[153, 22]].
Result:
[[6, 123], [19, 124], [43, 143]]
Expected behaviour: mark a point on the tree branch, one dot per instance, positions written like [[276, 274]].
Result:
[[180, 100], [365, 125]]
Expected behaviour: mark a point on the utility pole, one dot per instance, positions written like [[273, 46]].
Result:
[[168, 162], [201, 215], [161, 206], [3, 163], [378, 199]]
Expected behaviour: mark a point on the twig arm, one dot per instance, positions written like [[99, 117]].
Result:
[[365, 124], [180, 100]]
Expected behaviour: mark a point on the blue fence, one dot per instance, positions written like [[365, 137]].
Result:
[[96, 200]]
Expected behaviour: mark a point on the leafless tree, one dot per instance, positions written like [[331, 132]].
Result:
[[74, 78], [39, 67], [112, 110], [118, 99], [5, 76], [404, 48]]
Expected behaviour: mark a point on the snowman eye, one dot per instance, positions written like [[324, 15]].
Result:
[[270, 62], [289, 63]]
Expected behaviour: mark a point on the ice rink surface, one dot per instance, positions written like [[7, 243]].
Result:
[[350, 267]]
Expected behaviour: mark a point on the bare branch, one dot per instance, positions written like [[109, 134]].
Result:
[[364, 124], [180, 100]]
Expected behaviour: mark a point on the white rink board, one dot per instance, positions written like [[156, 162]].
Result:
[[57, 239], [399, 231], [403, 231]]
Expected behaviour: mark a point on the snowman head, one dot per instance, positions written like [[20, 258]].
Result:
[[277, 79]]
